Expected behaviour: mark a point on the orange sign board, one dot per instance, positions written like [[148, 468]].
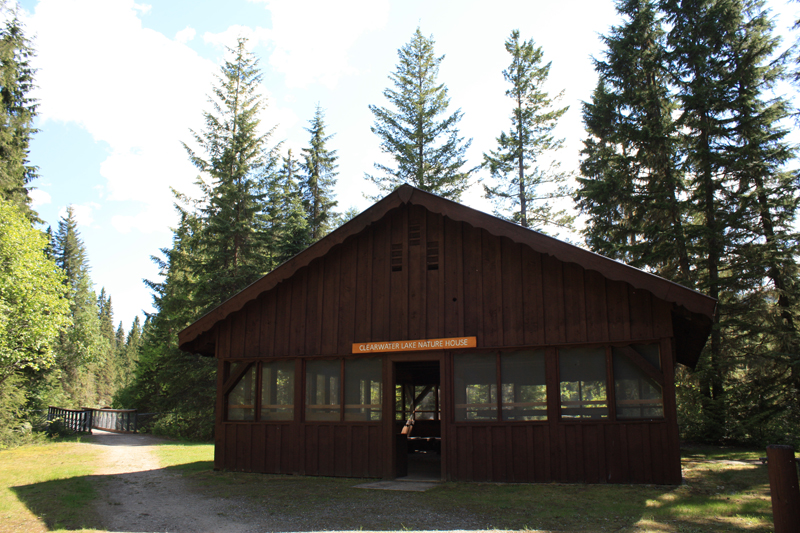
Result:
[[417, 345]]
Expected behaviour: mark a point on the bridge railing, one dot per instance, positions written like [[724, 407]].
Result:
[[86, 419], [76, 420]]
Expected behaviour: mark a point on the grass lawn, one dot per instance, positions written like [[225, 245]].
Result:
[[725, 489], [50, 487], [45, 487]]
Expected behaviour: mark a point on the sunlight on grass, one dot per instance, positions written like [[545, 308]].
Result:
[[47, 476], [182, 454]]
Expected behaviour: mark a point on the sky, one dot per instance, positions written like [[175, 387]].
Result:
[[122, 84]]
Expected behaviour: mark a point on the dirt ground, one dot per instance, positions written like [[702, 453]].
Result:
[[138, 495]]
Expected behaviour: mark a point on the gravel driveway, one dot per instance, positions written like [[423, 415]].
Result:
[[138, 495]]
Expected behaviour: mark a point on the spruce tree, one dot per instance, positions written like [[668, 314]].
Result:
[[527, 181], [290, 227], [418, 134], [237, 163], [685, 173], [80, 346], [17, 111], [319, 168], [632, 185]]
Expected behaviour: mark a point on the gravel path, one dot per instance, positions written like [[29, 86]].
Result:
[[139, 495]]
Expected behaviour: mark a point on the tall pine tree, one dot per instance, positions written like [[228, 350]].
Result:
[[527, 181], [632, 185], [290, 227], [235, 158], [319, 168], [17, 111], [80, 346], [685, 173], [417, 133]]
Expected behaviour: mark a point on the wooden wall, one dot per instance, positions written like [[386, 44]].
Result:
[[503, 293]]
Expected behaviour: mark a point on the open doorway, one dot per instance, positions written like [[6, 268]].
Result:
[[417, 419]]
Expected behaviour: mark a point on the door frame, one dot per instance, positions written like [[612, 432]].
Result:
[[389, 376]]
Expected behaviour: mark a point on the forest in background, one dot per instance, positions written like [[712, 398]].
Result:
[[687, 172]]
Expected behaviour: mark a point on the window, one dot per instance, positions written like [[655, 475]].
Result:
[[323, 400], [277, 390], [361, 385], [636, 393], [475, 386], [363, 389], [524, 388], [242, 397], [583, 383]]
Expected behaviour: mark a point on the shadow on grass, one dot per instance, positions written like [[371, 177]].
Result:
[[716, 497]]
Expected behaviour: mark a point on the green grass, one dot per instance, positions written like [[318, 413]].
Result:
[[726, 489], [46, 487], [50, 487]]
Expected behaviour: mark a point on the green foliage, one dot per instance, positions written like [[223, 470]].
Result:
[[685, 174], [235, 159], [232, 235], [32, 304], [319, 179], [17, 111], [427, 150], [81, 346], [527, 180], [289, 217]]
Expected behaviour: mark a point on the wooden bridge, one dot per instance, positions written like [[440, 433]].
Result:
[[86, 419]]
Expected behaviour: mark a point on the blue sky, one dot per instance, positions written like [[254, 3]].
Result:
[[121, 84]]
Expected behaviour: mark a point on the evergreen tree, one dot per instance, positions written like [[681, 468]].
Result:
[[319, 179], [519, 163], [290, 228], [165, 379], [685, 174], [106, 366], [231, 238], [17, 111], [632, 184], [418, 134], [79, 346]]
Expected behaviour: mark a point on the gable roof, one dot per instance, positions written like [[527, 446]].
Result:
[[692, 317]]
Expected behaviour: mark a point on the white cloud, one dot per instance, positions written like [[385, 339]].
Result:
[[128, 86], [185, 35], [83, 213], [228, 38], [301, 27], [39, 197]]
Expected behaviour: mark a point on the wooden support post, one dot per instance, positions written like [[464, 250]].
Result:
[[784, 488]]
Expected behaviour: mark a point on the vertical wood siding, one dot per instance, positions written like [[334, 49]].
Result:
[[501, 292]]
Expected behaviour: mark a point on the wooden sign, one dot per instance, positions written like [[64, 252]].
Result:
[[414, 346]]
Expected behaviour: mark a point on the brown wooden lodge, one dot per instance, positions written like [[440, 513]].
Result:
[[427, 338]]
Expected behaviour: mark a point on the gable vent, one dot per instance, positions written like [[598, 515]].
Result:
[[432, 257], [397, 257], [413, 234]]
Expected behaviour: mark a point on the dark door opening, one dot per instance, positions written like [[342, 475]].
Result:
[[417, 419]]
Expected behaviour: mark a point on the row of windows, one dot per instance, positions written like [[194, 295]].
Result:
[[352, 390], [363, 391], [583, 378]]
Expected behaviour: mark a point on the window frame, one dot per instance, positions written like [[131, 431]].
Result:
[[342, 388], [257, 366], [499, 385], [553, 383]]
